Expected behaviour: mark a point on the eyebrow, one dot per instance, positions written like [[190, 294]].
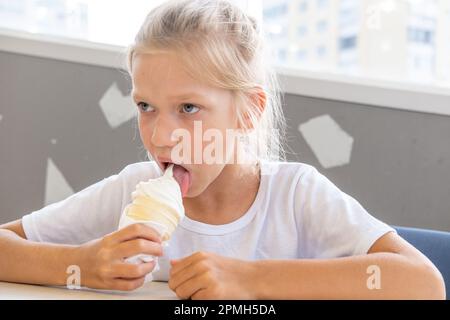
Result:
[[180, 96], [136, 96]]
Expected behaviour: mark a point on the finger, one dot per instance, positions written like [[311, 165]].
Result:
[[178, 265], [137, 246], [127, 284], [132, 271], [134, 231], [190, 287], [201, 294], [186, 274]]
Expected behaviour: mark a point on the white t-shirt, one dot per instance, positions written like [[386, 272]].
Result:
[[298, 213]]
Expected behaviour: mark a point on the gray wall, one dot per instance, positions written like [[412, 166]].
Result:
[[399, 169], [41, 100], [400, 164]]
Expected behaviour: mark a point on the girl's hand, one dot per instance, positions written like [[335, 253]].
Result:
[[210, 276], [102, 261]]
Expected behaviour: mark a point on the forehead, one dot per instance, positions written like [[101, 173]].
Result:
[[158, 77], [161, 72]]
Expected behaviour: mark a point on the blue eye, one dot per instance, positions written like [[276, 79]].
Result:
[[144, 107], [190, 108]]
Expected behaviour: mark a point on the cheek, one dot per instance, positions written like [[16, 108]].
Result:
[[217, 141], [144, 132]]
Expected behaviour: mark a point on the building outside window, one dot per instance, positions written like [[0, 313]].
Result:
[[400, 40]]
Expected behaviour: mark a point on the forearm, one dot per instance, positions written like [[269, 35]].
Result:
[[347, 278], [31, 262]]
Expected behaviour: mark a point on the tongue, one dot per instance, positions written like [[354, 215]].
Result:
[[181, 175]]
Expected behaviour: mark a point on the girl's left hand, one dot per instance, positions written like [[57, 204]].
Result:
[[210, 276]]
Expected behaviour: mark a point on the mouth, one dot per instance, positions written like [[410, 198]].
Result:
[[181, 174], [165, 164]]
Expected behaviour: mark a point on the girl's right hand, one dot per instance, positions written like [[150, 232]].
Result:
[[102, 261]]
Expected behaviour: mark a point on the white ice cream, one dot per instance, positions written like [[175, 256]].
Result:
[[158, 200]]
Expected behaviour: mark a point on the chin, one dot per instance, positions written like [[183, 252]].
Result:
[[194, 192], [191, 194]]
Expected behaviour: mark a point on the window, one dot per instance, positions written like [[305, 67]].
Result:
[[303, 7], [347, 43], [282, 54], [302, 31], [80, 19], [302, 55], [322, 3], [420, 36], [346, 30], [275, 11], [322, 26], [321, 51], [354, 29], [103, 21]]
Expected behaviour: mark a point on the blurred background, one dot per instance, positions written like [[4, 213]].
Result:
[[366, 88]]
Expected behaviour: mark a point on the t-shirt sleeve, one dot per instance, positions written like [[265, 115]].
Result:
[[86, 215], [331, 223]]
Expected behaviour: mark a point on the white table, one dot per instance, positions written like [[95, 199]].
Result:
[[150, 291]]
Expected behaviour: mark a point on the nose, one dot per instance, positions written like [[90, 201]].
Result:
[[163, 129]]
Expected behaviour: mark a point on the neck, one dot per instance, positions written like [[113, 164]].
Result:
[[217, 204]]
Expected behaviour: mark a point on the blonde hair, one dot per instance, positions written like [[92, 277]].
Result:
[[223, 46]]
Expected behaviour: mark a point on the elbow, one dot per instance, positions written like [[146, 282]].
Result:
[[422, 281], [440, 292], [433, 285]]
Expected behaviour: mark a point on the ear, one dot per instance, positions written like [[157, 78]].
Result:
[[258, 101]]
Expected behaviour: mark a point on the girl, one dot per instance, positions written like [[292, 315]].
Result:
[[254, 227]]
